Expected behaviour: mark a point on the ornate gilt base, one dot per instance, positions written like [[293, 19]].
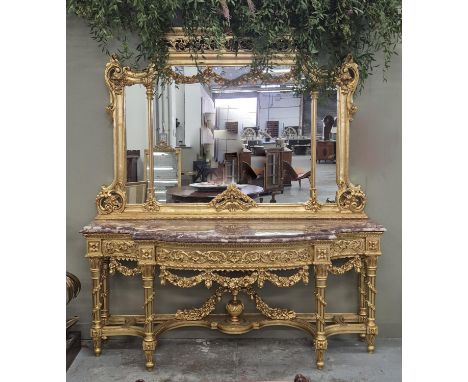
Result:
[[214, 265]]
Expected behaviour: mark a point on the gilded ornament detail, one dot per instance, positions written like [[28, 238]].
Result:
[[119, 247], [355, 263], [351, 198], [110, 200], [226, 258], [232, 283], [115, 265], [232, 199], [151, 204]]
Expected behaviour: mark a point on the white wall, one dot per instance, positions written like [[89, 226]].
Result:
[[282, 107], [241, 110]]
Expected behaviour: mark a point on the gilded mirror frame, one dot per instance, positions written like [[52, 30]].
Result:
[[111, 201]]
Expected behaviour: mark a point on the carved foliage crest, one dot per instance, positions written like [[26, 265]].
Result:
[[232, 199]]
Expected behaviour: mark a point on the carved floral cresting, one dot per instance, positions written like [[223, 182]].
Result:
[[232, 199]]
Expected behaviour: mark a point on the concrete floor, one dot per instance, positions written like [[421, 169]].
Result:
[[240, 360], [325, 182]]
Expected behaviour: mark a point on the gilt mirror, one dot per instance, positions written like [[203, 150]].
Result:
[[218, 138]]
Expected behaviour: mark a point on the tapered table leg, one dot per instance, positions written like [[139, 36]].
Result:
[[321, 271], [96, 327], [362, 295], [149, 342], [371, 327]]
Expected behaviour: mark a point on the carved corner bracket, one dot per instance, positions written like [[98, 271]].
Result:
[[350, 197], [232, 199], [111, 199]]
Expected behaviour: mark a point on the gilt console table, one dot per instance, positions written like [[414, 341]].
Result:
[[256, 250]]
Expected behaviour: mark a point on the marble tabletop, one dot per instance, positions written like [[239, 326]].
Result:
[[232, 230]]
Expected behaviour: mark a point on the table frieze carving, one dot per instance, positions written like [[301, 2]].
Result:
[[120, 248], [233, 258], [343, 247]]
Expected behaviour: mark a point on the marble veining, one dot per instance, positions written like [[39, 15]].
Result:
[[232, 230]]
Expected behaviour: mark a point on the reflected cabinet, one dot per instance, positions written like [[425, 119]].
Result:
[[240, 180]]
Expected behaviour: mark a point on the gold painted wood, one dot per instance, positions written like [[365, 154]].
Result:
[[215, 263], [111, 201]]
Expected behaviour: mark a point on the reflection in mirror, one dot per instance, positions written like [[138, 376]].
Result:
[[166, 169], [326, 148], [242, 130], [136, 142]]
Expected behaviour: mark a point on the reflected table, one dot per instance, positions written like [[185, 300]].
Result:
[[187, 194]]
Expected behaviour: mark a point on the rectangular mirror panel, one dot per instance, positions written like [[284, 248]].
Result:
[[326, 148], [136, 143]]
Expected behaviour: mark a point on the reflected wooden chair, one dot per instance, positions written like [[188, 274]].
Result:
[[289, 170]]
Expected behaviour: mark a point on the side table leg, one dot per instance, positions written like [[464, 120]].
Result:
[[96, 328], [371, 328], [149, 343], [105, 292], [321, 271], [362, 313]]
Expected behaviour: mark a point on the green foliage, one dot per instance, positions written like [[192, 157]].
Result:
[[323, 31]]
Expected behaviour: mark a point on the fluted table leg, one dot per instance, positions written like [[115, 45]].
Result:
[[321, 271], [362, 295], [96, 327], [105, 293], [371, 327], [149, 342]]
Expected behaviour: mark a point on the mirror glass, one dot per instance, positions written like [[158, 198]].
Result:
[[136, 142], [233, 127], [326, 148]]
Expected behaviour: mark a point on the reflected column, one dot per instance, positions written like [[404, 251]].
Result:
[[149, 120], [312, 204]]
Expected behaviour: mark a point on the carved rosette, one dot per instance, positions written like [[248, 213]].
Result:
[[351, 198], [347, 79], [110, 200], [232, 199], [152, 205]]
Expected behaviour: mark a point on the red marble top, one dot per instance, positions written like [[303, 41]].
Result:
[[232, 230]]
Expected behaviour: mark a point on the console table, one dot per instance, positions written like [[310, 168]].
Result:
[[256, 250]]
